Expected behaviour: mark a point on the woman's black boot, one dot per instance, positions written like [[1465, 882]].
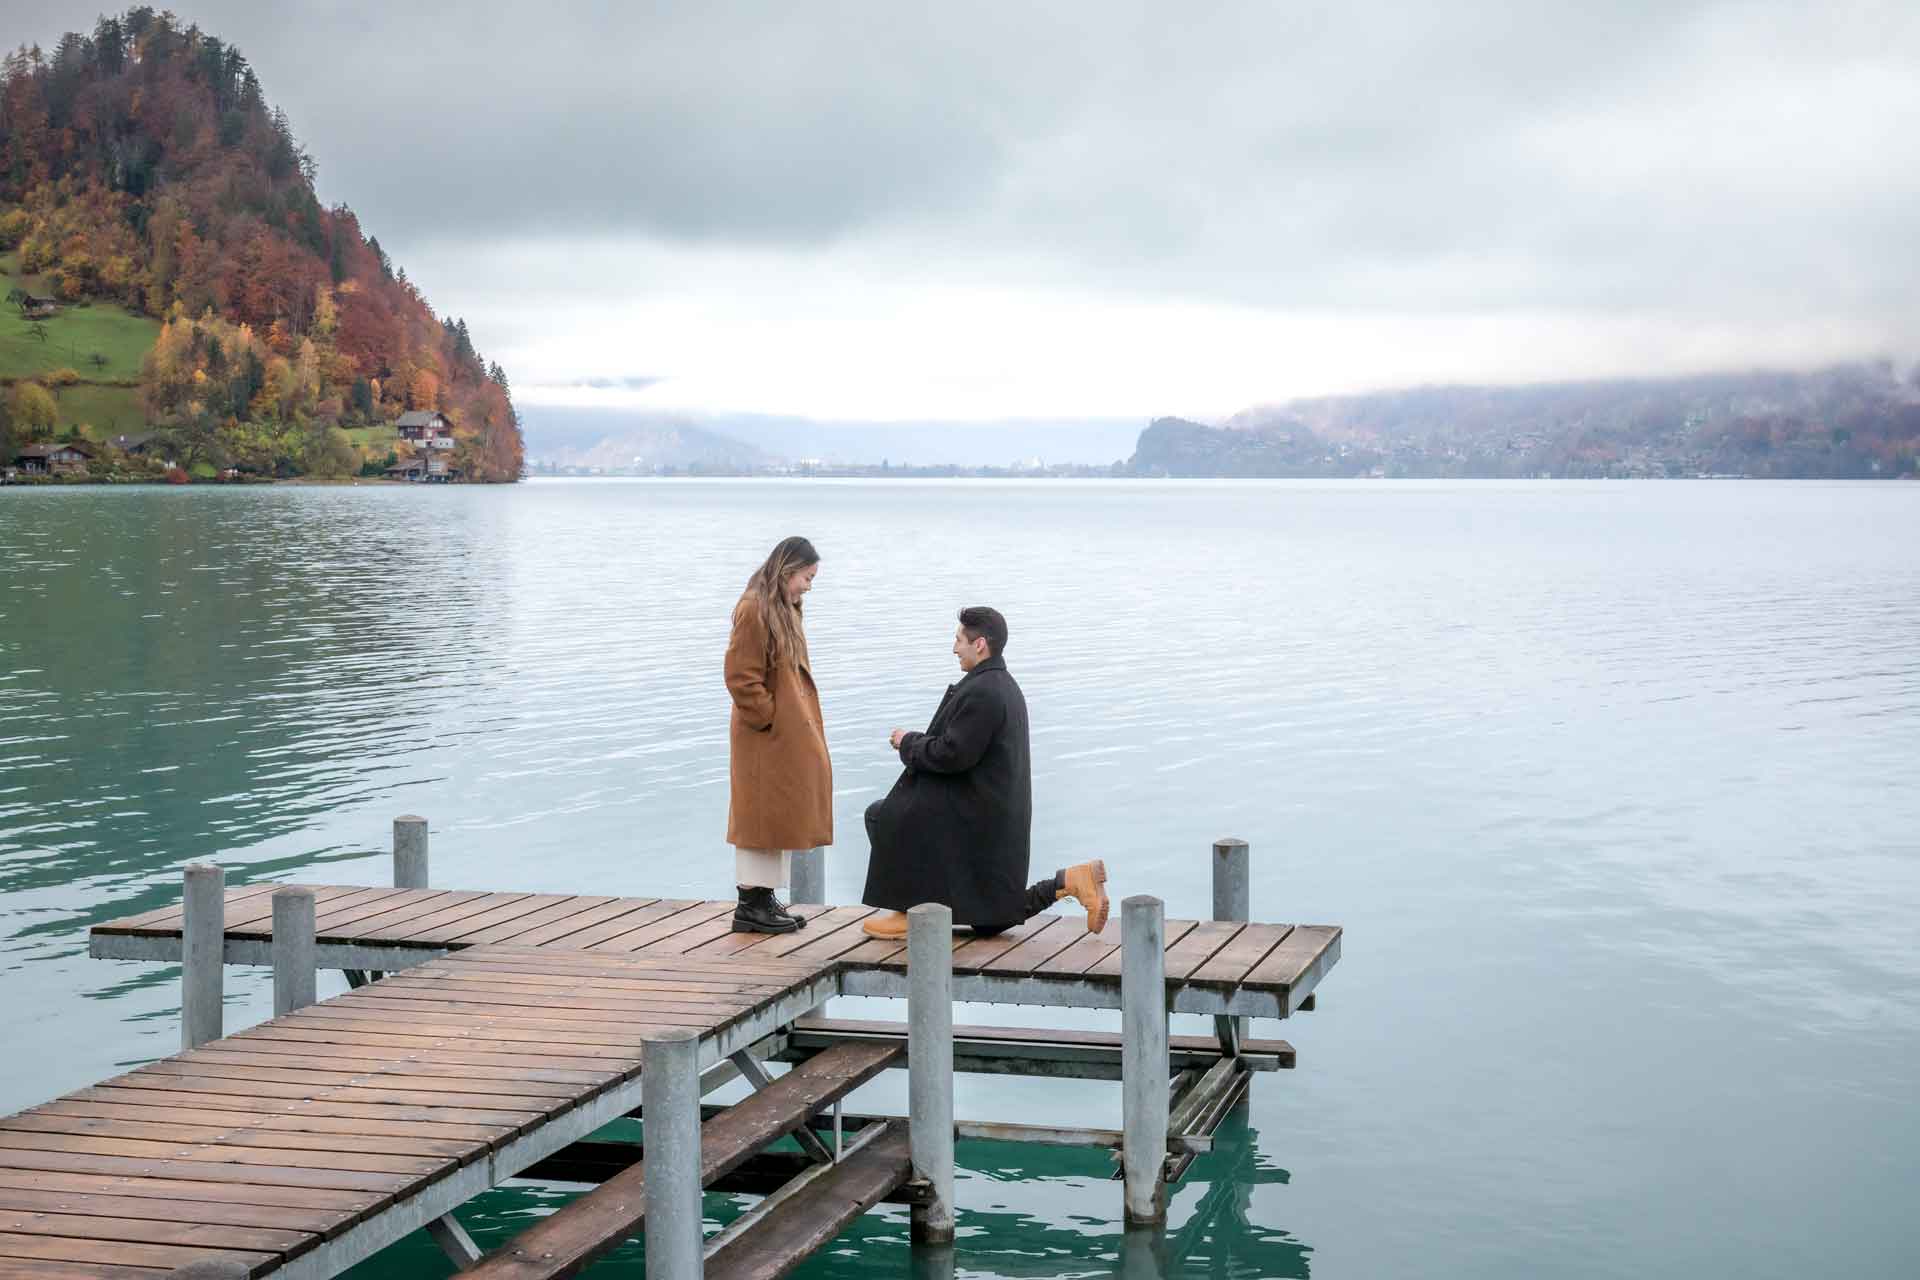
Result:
[[760, 912]]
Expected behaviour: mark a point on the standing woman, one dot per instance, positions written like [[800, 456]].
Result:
[[782, 780]]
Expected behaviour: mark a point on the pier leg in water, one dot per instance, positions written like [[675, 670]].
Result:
[[1143, 1058], [930, 1067], [293, 950], [670, 1105], [1232, 900], [203, 945], [807, 877], [409, 852]]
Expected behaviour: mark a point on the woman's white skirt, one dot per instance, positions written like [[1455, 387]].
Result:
[[760, 868]]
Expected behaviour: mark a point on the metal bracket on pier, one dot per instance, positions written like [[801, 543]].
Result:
[[454, 1241], [756, 1075]]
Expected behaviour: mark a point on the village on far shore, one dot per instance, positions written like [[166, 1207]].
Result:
[[423, 455]]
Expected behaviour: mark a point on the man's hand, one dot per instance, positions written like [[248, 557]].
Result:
[[895, 738]]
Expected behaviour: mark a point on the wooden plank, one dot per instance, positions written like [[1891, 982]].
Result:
[[977, 954], [433, 921], [349, 1206], [827, 945], [520, 908], [518, 1107], [292, 1126], [676, 934], [817, 1212], [92, 1226], [344, 921], [119, 1252], [517, 1011], [1074, 960], [733, 943], [161, 1126], [625, 1037], [637, 994], [320, 1108], [558, 931], [40, 1269], [1108, 965], [702, 978], [626, 922], [877, 953], [254, 919], [205, 1171], [436, 1065], [780, 945], [572, 1238], [605, 966], [1284, 966], [556, 913], [1038, 947], [188, 1213], [1035, 1035], [306, 1161], [173, 918], [317, 1033], [498, 1080], [1200, 946], [1235, 960], [389, 927]]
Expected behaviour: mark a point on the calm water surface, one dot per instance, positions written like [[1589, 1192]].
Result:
[[1613, 787]]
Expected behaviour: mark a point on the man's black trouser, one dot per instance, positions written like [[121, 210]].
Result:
[[1041, 894]]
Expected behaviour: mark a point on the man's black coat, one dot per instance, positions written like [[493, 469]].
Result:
[[957, 827]]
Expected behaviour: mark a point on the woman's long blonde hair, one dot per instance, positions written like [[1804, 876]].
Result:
[[786, 633]]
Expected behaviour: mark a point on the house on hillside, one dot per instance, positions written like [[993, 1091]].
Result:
[[430, 429], [69, 458], [32, 308], [423, 470], [138, 444]]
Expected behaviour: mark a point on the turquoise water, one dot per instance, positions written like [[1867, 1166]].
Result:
[[1612, 785]]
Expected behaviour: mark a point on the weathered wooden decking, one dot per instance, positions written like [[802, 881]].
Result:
[[1212, 967], [306, 1143], [509, 1028]]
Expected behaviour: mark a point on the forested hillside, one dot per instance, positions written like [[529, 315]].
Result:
[[150, 196]]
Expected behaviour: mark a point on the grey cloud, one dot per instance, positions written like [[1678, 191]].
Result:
[[1560, 153]]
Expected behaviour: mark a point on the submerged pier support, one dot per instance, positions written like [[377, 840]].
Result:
[[670, 1103], [930, 1067], [1143, 1063]]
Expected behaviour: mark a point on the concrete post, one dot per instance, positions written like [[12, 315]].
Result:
[[1232, 900], [203, 945], [807, 871], [930, 1066], [1232, 897], [1143, 1057], [293, 950], [409, 852], [670, 1115]]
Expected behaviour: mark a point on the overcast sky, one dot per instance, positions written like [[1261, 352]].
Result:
[[893, 210]]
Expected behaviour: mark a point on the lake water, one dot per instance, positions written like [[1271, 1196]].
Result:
[[1613, 787]]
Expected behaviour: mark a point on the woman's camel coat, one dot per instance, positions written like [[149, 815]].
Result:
[[777, 744]]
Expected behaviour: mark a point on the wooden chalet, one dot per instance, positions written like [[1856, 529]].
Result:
[[431, 429], [69, 457]]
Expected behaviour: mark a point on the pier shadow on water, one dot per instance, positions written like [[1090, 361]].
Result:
[[1024, 1211]]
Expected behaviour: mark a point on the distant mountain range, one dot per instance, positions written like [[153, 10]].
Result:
[[1860, 420], [563, 437]]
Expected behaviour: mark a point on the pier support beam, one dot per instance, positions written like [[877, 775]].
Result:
[[670, 1103], [203, 942], [930, 1067], [293, 950], [1143, 1058], [1232, 900], [807, 873], [409, 852]]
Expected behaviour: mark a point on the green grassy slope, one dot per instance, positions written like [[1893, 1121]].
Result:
[[73, 337]]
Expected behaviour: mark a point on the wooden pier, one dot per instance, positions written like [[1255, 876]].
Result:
[[508, 1028]]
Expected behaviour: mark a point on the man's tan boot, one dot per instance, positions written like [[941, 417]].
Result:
[[885, 924], [1086, 882]]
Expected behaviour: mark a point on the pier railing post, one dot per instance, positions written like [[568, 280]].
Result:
[[930, 1067], [807, 871], [1232, 900], [293, 950], [1143, 1057], [203, 945], [670, 1114], [409, 852]]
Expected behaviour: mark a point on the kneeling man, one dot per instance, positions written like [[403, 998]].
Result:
[[957, 826]]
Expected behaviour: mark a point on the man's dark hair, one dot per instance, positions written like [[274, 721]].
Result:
[[980, 622]]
